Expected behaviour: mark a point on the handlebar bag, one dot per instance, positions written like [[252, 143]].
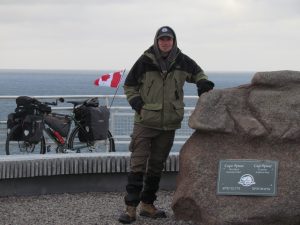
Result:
[[33, 128], [12, 121], [60, 123], [25, 105], [25, 100], [44, 108], [28, 105], [95, 122]]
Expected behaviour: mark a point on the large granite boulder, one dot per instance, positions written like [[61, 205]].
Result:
[[259, 121]]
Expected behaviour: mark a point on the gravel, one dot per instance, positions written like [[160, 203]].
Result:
[[96, 208]]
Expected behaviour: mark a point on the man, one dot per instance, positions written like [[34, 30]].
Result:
[[154, 89]]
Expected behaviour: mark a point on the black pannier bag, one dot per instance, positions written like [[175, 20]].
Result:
[[95, 121], [33, 126], [79, 112], [92, 102], [26, 101], [60, 123], [22, 111], [26, 105], [12, 121]]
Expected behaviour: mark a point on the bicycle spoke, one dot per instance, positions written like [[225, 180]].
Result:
[[94, 146]]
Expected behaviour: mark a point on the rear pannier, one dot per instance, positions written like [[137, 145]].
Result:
[[33, 128], [60, 123], [95, 121]]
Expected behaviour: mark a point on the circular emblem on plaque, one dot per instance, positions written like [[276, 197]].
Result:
[[246, 180]]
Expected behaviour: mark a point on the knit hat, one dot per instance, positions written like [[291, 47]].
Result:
[[165, 32]]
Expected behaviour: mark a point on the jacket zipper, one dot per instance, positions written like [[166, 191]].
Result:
[[177, 90], [163, 101], [149, 87]]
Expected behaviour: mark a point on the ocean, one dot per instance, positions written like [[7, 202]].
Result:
[[70, 82], [81, 82]]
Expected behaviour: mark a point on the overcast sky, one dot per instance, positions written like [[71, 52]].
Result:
[[231, 35]]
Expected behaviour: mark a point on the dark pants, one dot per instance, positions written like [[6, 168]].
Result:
[[150, 149]]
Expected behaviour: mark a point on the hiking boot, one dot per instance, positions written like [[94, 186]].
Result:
[[149, 210], [128, 216]]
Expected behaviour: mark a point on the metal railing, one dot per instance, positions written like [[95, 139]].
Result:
[[121, 117]]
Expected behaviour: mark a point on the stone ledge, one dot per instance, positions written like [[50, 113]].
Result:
[[17, 166]]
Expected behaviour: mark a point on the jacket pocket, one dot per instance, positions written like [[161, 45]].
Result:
[[151, 115], [176, 114]]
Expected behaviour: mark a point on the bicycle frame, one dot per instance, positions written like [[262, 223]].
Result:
[[63, 142]]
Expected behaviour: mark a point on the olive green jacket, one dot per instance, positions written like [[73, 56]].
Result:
[[162, 94]]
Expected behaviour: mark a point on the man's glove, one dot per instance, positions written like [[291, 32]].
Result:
[[204, 86], [137, 104]]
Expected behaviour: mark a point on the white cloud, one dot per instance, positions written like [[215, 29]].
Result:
[[82, 34]]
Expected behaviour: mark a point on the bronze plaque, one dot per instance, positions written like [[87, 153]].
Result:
[[247, 177]]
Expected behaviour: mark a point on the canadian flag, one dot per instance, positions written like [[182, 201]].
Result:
[[110, 79]]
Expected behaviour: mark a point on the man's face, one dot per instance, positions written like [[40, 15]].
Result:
[[165, 44]]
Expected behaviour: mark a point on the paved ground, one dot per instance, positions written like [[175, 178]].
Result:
[[76, 209]]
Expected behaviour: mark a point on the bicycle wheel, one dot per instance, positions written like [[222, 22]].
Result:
[[16, 147], [107, 145]]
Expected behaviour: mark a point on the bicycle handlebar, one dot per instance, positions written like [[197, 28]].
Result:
[[88, 102], [75, 103], [54, 103], [50, 103]]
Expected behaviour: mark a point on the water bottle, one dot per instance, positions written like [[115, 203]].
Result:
[[58, 137]]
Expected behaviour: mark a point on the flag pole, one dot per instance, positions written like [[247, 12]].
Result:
[[116, 90]]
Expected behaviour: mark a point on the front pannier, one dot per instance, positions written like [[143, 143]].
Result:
[[33, 128], [95, 121], [60, 123], [12, 121]]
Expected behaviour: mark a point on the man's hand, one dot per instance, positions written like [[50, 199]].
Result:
[[137, 104], [204, 86]]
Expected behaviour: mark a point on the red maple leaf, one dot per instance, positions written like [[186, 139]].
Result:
[[105, 77]]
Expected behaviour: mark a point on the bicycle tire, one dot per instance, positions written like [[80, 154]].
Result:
[[107, 145], [12, 146]]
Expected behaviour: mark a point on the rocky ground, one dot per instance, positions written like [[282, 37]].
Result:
[[76, 209]]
